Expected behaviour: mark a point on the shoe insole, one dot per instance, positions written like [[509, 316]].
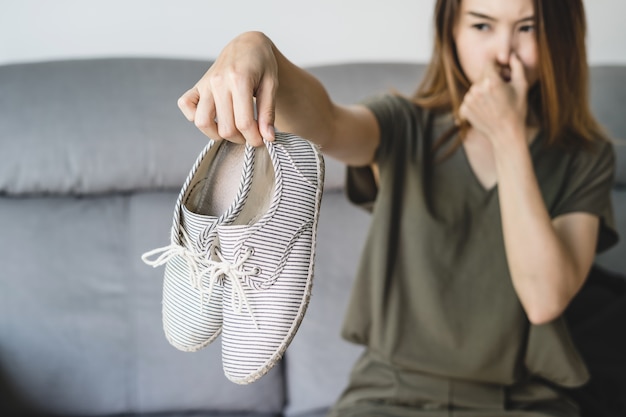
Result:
[[215, 191]]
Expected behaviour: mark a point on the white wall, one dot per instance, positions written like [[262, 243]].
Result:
[[312, 32]]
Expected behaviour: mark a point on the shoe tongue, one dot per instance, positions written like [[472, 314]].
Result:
[[231, 239], [194, 224]]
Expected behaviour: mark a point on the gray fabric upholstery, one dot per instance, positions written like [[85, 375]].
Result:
[[316, 413], [615, 258], [80, 327], [318, 360], [95, 126], [620, 158], [351, 83], [83, 116], [92, 155], [607, 92]]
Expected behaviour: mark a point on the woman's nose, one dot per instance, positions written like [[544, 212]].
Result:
[[505, 44]]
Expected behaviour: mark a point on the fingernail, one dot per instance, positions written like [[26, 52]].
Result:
[[271, 134]]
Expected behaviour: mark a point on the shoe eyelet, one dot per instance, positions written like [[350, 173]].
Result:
[[256, 270], [250, 251]]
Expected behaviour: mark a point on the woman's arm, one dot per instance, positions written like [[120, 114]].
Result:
[[251, 68], [548, 259]]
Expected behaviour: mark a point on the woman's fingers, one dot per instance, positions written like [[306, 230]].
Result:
[[222, 104], [265, 104], [188, 102], [492, 74], [465, 111], [518, 75], [243, 111], [226, 119], [205, 119]]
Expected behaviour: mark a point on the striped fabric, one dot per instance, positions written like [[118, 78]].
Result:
[[192, 299], [266, 257]]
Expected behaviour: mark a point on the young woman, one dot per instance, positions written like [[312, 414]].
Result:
[[491, 192]]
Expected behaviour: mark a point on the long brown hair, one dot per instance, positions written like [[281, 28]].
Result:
[[560, 99]]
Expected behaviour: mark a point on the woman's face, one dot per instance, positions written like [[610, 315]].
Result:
[[487, 32]]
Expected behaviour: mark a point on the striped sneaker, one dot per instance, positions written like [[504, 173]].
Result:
[[213, 194], [266, 257]]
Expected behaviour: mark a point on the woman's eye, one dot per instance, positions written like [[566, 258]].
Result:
[[481, 26], [527, 28]]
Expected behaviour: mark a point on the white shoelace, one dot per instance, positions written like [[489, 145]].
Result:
[[199, 265], [237, 275]]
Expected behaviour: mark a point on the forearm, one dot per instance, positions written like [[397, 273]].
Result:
[[347, 133], [303, 106], [540, 265]]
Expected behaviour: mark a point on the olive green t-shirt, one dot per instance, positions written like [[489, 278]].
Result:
[[433, 292]]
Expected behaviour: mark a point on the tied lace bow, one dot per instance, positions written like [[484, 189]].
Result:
[[238, 276], [201, 266]]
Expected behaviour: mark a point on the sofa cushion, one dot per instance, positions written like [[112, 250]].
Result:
[[96, 126], [80, 314], [620, 162], [607, 95], [614, 258], [318, 361]]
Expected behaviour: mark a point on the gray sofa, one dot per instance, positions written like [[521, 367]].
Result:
[[92, 155]]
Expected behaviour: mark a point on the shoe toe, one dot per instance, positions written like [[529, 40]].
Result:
[[191, 320]]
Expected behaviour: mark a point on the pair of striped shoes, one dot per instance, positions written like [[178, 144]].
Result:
[[240, 261]]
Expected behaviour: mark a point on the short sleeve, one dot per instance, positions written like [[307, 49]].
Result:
[[588, 189], [396, 118]]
